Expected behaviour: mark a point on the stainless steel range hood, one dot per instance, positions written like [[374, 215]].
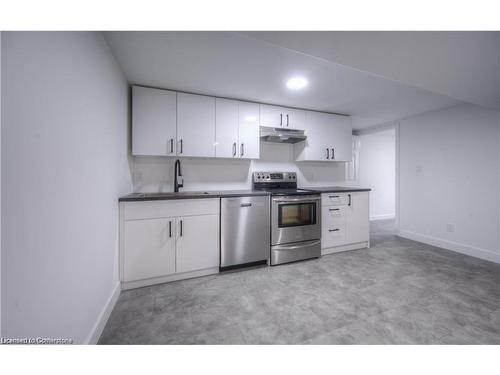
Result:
[[281, 135]]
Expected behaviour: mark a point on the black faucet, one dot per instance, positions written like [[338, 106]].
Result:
[[177, 172]]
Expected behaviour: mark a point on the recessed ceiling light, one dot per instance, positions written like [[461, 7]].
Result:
[[296, 83]]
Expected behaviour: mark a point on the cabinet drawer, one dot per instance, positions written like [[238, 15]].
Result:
[[334, 199], [333, 215], [333, 235], [170, 208]]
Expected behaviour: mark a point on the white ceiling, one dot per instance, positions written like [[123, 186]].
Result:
[[464, 65], [233, 65]]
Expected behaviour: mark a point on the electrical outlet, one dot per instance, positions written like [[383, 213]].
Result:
[[450, 227]]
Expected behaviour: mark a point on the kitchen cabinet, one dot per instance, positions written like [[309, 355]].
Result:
[[149, 248], [163, 241], [275, 116], [194, 234], [195, 125], [237, 129], [154, 120], [329, 138], [344, 221]]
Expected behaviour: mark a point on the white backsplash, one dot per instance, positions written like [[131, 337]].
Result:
[[153, 174]]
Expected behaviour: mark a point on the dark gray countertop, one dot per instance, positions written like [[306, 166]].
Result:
[[135, 197], [336, 189]]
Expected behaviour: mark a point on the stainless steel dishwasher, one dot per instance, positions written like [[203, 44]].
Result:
[[245, 231]]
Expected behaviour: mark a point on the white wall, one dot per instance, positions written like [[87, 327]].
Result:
[[152, 174], [449, 173], [377, 170], [64, 164]]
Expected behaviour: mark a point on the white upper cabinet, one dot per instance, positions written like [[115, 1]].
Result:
[[340, 138], [195, 125], [275, 116], [237, 129], [153, 121], [329, 138], [226, 128], [249, 132]]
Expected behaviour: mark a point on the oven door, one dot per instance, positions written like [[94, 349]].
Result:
[[295, 219]]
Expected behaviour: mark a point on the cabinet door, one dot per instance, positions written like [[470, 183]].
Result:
[[153, 121], [358, 222], [195, 125], [249, 137], [314, 147], [197, 242], [295, 118], [271, 115], [226, 128], [149, 248], [341, 138]]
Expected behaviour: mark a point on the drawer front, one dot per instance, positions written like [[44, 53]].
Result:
[[333, 235], [334, 199], [170, 208], [331, 215]]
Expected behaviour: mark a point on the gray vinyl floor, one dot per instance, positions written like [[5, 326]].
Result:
[[396, 292]]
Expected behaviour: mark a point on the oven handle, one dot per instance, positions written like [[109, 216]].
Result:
[[293, 247], [292, 200]]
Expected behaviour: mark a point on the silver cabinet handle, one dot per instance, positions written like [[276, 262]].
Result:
[[281, 119], [181, 146], [333, 230], [303, 199], [328, 153], [287, 120], [234, 149], [171, 145], [181, 232], [334, 209], [242, 149], [170, 229], [333, 196], [333, 153], [349, 195]]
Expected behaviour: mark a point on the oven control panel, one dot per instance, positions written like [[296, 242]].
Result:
[[274, 177]]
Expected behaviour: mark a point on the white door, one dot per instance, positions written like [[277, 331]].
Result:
[[271, 115], [149, 248], [341, 138], [197, 242], [358, 224], [317, 136], [226, 128], [249, 137], [195, 125], [295, 118], [154, 117]]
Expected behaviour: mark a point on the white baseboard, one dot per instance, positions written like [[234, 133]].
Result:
[[338, 249], [453, 246], [382, 217], [166, 279], [99, 325]]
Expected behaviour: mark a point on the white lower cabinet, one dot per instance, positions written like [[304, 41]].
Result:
[[149, 250], [163, 241], [196, 234], [344, 221]]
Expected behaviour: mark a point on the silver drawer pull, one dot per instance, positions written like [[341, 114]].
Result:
[[246, 205], [333, 230], [333, 196], [334, 209]]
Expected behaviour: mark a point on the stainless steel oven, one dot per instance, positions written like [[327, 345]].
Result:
[[295, 228], [295, 218]]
